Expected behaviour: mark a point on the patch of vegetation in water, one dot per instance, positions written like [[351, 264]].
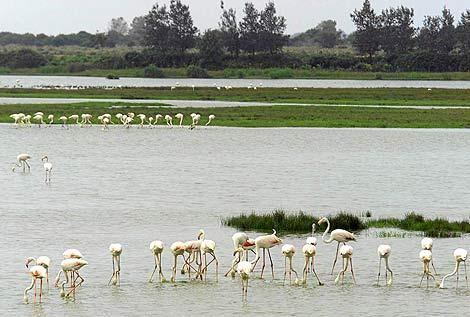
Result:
[[299, 222]]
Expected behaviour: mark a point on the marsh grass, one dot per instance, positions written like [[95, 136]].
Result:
[[299, 222]]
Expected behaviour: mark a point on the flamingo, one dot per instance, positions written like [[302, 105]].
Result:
[[68, 254], [244, 270], [460, 255], [51, 119], [64, 121], [157, 248], [157, 117], [36, 272], [150, 122], [27, 120], [309, 250], [105, 124], [47, 168], [193, 248], [43, 261], [338, 235], [180, 116], [384, 252], [142, 117], [15, 117], [312, 240], [238, 239], [72, 265], [119, 116], [288, 250], [39, 119], [109, 116], [116, 250], [427, 244], [346, 252], [196, 117], [208, 247], [75, 118], [169, 121], [177, 248], [211, 117], [22, 162], [265, 242], [426, 257]]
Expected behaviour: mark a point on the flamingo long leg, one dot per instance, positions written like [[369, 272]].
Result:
[[336, 259], [264, 262], [272, 265], [315, 273], [352, 271], [378, 275]]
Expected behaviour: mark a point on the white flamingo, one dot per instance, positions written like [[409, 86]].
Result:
[[36, 272], [75, 118], [22, 161], [211, 117], [346, 252], [47, 168], [288, 250], [427, 244], [426, 257], [43, 261], [157, 117], [310, 251], [72, 266], [384, 252], [142, 117], [244, 270], [169, 121], [68, 254], [157, 248], [208, 247], [338, 235], [265, 242], [460, 256], [180, 116], [39, 119], [51, 119], [177, 249], [64, 121], [116, 250]]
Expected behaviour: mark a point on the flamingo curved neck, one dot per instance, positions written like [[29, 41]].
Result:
[[326, 232], [450, 274]]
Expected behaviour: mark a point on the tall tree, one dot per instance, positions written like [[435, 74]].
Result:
[[137, 31], [249, 29], [211, 48], [271, 30], [367, 35], [118, 25], [463, 32], [229, 28], [397, 33], [182, 31], [157, 29], [447, 34]]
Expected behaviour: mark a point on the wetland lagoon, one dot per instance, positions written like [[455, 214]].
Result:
[[133, 186]]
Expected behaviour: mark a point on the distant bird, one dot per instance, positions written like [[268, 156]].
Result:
[[142, 117], [75, 117], [105, 124], [288, 250], [384, 252], [16, 117], [22, 161], [346, 252], [427, 244], [51, 119], [177, 249], [72, 265], [310, 251], [43, 261], [150, 122], [211, 117], [426, 257], [64, 121], [36, 272], [338, 235], [208, 247], [180, 116], [265, 242], [244, 270], [27, 120], [312, 240], [460, 255], [172, 88], [47, 168], [116, 249], [157, 117], [157, 248], [169, 121], [39, 119]]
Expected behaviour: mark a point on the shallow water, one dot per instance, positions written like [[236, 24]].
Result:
[[31, 81], [134, 186]]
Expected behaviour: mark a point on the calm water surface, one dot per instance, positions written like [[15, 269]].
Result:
[[31, 81], [139, 185]]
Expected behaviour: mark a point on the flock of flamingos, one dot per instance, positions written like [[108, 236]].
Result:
[[195, 257], [85, 119]]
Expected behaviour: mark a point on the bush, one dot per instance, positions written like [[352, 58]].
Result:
[[77, 67], [196, 72], [22, 58], [153, 71]]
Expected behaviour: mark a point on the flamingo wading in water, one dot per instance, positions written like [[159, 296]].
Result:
[[427, 244], [36, 272], [288, 250], [426, 257], [338, 235], [22, 162], [265, 242], [157, 248], [346, 252], [116, 249], [384, 252], [460, 255], [47, 168], [43, 261]]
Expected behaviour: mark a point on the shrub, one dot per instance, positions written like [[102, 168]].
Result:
[[22, 58], [153, 71], [196, 72], [77, 67]]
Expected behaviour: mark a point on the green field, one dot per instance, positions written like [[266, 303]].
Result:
[[332, 96], [269, 116]]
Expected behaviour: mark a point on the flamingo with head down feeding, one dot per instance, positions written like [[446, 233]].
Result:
[[346, 252], [460, 256], [288, 250], [157, 248], [180, 116], [310, 251], [426, 257], [36, 272], [22, 162], [43, 261], [116, 249], [427, 244], [384, 252]]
